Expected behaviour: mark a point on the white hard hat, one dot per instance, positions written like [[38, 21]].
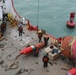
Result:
[[39, 31]]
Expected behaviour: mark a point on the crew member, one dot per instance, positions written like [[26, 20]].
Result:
[[40, 35], [1, 34], [20, 30], [36, 53], [3, 27], [45, 60], [4, 13], [46, 38]]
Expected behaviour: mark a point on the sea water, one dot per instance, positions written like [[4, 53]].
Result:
[[53, 15]]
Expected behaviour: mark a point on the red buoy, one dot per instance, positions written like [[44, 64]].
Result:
[[71, 23]]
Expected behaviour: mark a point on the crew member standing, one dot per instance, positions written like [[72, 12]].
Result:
[[4, 25], [40, 35], [20, 30], [45, 60], [5, 14], [46, 38], [3, 28], [1, 34]]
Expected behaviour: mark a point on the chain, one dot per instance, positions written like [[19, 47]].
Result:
[[13, 64], [12, 67], [11, 55]]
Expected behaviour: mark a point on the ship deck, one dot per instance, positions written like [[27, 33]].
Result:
[[13, 43]]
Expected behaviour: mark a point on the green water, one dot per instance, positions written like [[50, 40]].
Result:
[[53, 14]]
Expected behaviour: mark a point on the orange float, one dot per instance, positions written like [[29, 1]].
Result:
[[68, 47], [31, 48], [31, 27]]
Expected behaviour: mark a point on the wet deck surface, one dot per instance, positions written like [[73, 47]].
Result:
[[13, 43]]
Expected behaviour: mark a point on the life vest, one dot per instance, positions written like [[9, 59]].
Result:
[[39, 34], [2, 26], [45, 59], [20, 28]]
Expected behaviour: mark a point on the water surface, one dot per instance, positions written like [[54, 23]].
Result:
[[53, 14]]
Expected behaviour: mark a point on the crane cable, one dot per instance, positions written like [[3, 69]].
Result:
[[38, 15]]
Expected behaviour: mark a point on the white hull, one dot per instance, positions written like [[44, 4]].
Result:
[[9, 5]]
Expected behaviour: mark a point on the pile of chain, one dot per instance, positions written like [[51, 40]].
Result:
[[14, 65]]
